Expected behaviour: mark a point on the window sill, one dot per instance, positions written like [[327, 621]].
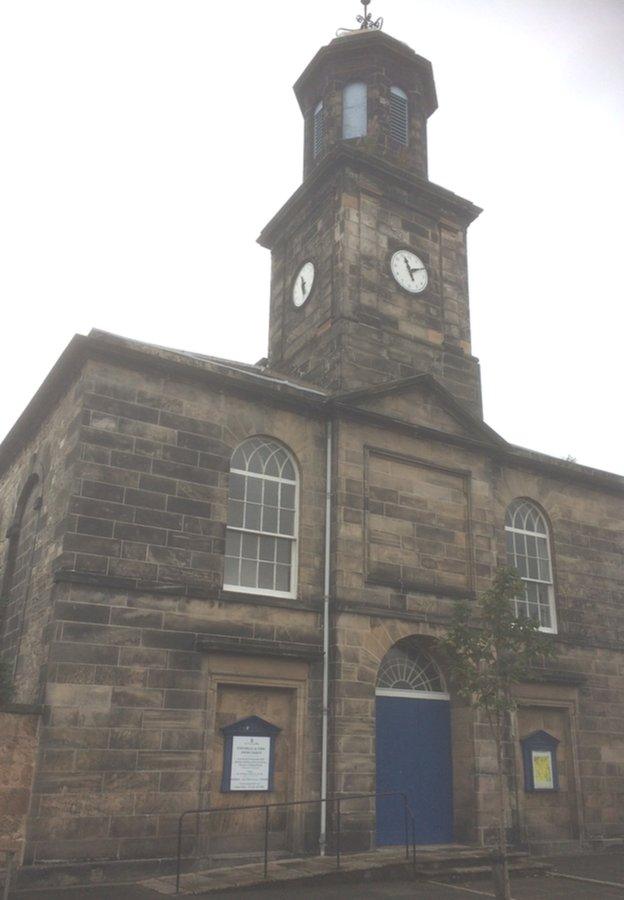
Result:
[[258, 592]]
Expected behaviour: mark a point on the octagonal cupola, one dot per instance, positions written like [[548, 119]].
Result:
[[370, 91]]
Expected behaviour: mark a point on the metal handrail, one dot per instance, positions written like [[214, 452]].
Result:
[[336, 798]]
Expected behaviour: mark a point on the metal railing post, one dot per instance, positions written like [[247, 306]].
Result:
[[179, 859], [266, 841], [337, 832], [337, 799], [406, 826]]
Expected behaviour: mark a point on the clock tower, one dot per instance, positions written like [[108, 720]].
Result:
[[369, 272]]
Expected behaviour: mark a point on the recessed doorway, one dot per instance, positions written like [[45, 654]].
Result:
[[413, 746]]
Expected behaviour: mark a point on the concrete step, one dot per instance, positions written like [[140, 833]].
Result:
[[461, 873]]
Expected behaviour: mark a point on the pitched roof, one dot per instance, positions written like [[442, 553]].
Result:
[[261, 380]]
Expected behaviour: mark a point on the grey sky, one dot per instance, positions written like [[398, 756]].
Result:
[[145, 144]]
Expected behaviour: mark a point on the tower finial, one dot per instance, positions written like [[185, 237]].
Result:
[[366, 21]]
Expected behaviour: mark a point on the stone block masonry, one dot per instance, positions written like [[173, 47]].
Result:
[[19, 728], [148, 506], [126, 744]]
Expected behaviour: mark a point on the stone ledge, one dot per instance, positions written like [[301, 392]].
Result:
[[440, 592], [557, 677], [97, 873], [74, 576], [257, 647], [137, 586], [382, 612], [22, 709]]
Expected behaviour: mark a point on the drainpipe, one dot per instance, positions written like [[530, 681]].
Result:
[[326, 587]]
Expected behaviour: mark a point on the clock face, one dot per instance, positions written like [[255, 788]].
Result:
[[302, 287], [409, 271]]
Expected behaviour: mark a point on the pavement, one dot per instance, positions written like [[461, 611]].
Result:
[[595, 877]]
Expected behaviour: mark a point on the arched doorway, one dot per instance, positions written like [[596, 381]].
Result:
[[413, 746]]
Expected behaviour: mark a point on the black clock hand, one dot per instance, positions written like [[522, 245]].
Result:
[[409, 268], [303, 285], [418, 269]]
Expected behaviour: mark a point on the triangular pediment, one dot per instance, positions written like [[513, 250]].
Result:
[[421, 401], [253, 726]]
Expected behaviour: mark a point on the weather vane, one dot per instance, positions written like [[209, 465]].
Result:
[[366, 22]]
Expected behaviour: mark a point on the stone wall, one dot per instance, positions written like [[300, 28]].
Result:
[[294, 331], [359, 327], [150, 487], [131, 706], [149, 656], [31, 539], [132, 699], [587, 538], [18, 749]]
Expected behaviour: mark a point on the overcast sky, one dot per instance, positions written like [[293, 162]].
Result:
[[144, 144]]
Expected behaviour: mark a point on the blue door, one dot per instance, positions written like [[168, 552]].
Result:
[[414, 756]]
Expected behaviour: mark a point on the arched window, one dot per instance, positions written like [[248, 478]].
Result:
[[354, 111], [528, 551], [261, 538], [21, 557], [407, 669], [399, 121], [318, 129], [21, 537]]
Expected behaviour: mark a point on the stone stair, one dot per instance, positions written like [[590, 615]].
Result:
[[448, 862]]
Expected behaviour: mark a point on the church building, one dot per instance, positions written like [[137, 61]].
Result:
[[225, 584]]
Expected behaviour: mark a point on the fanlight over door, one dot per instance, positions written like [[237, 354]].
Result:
[[406, 669]]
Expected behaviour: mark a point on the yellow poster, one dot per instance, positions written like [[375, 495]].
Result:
[[542, 770]]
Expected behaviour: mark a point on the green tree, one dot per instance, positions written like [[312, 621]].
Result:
[[489, 649]]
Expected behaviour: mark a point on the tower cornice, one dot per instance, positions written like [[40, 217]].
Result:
[[343, 156]]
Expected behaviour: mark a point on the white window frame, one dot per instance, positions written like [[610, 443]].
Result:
[[360, 116], [413, 695], [294, 537], [552, 629]]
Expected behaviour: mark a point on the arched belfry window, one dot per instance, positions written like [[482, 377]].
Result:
[[528, 551], [261, 537], [354, 110], [399, 116], [407, 669], [318, 129]]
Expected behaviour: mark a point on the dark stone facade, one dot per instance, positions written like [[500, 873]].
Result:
[[360, 330], [114, 495]]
